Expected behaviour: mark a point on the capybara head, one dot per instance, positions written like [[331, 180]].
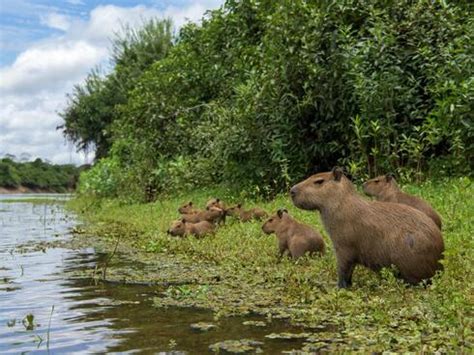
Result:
[[215, 212], [378, 185], [214, 202], [177, 228], [233, 211], [321, 189], [271, 225], [186, 208]]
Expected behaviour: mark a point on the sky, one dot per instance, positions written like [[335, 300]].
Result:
[[47, 46]]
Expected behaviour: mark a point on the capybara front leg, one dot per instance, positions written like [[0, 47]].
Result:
[[344, 270]]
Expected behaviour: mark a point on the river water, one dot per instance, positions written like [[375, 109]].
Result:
[[44, 310]]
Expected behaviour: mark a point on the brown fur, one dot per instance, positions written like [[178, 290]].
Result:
[[384, 188], [216, 202], [296, 237], [213, 215], [182, 228], [371, 233], [188, 208], [245, 216]]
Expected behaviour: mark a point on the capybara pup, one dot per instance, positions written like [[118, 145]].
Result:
[[245, 216], [371, 233], [384, 188], [182, 228], [296, 237], [188, 208], [216, 202], [213, 214]]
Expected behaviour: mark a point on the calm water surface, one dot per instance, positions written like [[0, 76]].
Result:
[[42, 310]]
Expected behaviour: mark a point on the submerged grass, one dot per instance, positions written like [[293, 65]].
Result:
[[237, 271]]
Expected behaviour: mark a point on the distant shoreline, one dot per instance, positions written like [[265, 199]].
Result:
[[27, 190]]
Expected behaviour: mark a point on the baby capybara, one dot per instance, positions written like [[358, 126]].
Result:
[[296, 237], [188, 208], [245, 216], [213, 215], [182, 228], [384, 188], [371, 233], [216, 202]]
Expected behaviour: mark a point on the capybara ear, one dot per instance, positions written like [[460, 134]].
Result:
[[183, 220], [190, 203], [218, 200], [389, 177], [239, 205], [337, 172], [281, 211]]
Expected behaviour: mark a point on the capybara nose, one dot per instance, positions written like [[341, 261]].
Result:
[[293, 191]]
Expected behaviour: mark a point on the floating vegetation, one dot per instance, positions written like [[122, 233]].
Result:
[[255, 323], [242, 346], [288, 336], [203, 327]]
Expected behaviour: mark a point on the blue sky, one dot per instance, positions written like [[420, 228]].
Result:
[[47, 46]]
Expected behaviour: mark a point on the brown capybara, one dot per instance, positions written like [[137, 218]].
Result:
[[296, 237], [371, 233], [182, 228], [384, 188], [216, 202], [245, 216], [188, 208], [213, 215]]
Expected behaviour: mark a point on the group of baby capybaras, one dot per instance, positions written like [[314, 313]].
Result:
[[397, 229]]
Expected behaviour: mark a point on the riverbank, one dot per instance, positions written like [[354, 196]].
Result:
[[237, 272]]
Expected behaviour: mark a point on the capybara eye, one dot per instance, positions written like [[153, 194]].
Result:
[[270, 220], [376, 180], [318, 182]]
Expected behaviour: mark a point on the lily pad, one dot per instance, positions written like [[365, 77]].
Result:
[[203, 327], [242, 346]]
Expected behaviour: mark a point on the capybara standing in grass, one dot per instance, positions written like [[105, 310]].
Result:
[[182, 228], [296, 237], [371, 233], [213, 214], [188, 208], [245, 216], [384, 188]]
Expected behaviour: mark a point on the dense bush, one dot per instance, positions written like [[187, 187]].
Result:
[[264, 92], [38, 175]]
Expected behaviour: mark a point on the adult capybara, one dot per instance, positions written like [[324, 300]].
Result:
[[371, 233], [188, 208], [182, 228], [296, 237], [384, 188], [245, 216], [216, 202], [213, 215]]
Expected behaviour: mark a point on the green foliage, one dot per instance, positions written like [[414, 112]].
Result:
[[92, 104], [38, 175], [236, 272], [263, 92], [103, 179]]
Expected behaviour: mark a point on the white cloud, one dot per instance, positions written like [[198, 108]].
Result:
[[56, 21], [33, 88]]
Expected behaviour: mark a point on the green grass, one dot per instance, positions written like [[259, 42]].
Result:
[[236, 271]]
